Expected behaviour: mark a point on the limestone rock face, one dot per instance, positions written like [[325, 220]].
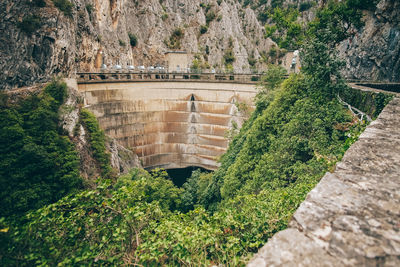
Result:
[[100, 29], [28, 58], [374, 52], [122, 159]]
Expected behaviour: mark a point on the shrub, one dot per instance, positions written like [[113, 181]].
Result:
[[38, 165], [164, 16], [39, 3], [97, 142], [174, 41], [305, 6], [30, 24], [203, 29], [229, 57], [121, 43], [210, 16], [133, 39], [177, 33], [252, 61], [64, 6], [89, 8]]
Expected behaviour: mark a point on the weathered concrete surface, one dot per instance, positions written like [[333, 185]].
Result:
[[169, 124], [352, 217]]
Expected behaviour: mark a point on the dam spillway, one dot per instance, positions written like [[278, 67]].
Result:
[[169, 124]]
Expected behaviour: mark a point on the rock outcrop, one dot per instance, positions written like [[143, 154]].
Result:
[[34, 47], [373, 53], [122, 159], [38, 41], [55, 42]]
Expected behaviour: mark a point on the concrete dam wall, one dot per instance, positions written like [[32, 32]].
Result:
[[169, 124]]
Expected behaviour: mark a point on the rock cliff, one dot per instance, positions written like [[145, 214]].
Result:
[[39, 39], [374, 51], [50, 41]]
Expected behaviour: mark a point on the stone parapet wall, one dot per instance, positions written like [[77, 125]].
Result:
[[352, 217]]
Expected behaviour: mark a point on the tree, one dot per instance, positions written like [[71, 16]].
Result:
[[38, 165]]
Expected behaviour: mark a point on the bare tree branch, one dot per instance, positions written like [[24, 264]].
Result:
[[356, 112]]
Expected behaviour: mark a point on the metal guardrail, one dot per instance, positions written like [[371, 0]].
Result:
[[95, 77]]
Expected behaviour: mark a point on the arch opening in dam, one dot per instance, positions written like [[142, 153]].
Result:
[[180, 175], [170, 124]]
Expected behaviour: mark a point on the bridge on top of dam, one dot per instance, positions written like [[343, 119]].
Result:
[[170, 120], [174, 120]]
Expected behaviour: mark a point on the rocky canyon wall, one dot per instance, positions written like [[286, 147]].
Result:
[[38, 40], [373, 53], [60, 43]]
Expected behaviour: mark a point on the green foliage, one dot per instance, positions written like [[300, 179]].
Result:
[[322, 68], [101, 226], [155, 186], [194, 187], [251, 59], [89, 8], [126, 224], [174, 42], [229, 57], [164, 16], [64, 6], [38, 165], [286, 142], [362, 4], [97, 140], [304, 6], [121, 43], [203, 29], [177, 33], [271, 80], [336, 18], [226, 237], [210, 16], [39, 3], [30, 24], [198, 64], [276, 3], [369, 102], [333, 23], [319, 61], [285, 31], [132, 39]]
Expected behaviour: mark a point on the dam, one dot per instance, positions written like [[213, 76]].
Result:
[[170, 121]]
